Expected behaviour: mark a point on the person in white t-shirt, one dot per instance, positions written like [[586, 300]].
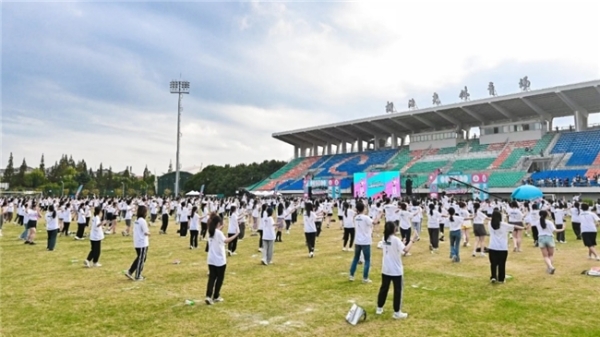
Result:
[[392, 270], [96, 237], [310, 228], [363, 226], [233, 230], [216, 259], [51, 227], [183, 217], [454, 224], [141, 241], [546, 230], [589, 221], [498, 247], [269, 237], [194, 226], [348, 223]]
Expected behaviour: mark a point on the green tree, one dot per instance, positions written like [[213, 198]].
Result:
[[9, 172], [20, 177], [167, 192], [43, 165], [82, 178], [34, 179]]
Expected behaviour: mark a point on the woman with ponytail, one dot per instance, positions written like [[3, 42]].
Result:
[[433, 227], [589, 222], [498, 250], [479, 229], [546, 229], [454, 224], [217, 260], [348, 223], [392, 270], [51, 227]]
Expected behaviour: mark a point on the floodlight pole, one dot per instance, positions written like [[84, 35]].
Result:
[[179, 87]]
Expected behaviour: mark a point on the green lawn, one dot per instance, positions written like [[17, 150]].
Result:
[[47, 294]]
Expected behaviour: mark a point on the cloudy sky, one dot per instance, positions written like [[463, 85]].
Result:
[[91, 79]]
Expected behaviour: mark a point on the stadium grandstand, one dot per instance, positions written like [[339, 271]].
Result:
[[516, 143]]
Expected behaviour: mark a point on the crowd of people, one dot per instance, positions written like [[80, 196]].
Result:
[[266, 219]]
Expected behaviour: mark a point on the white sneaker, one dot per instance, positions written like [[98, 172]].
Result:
[[208, 301], [379, 311], [86, 263], [311, 254], [366, 281], [400, 315], [351, 278], [344, 249], [220, 299], [97, 265]]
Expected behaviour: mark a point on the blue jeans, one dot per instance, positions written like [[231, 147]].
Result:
[[366, 251], [455, 244], [25, 232], [417, 228]]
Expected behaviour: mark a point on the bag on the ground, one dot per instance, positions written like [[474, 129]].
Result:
[[355, 314], [595, 271]]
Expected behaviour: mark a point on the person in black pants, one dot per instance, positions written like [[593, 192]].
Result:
[[164, 218], [217, 261], [498, 247]]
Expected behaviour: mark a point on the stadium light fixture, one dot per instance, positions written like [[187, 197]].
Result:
[[389, 107], [436, 99], [492, 89], [180, 88], [524, 84], [464, 94], [412, 105]]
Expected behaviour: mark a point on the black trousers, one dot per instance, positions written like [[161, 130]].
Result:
[[288, 223], [203, 229], [560, 236], [138, 264], [80, 229], [216, 276], [577, 230], [165, 223], [183, 228], [498, 264], [194, 238], [442, 229], [260, 233], [87, 221], [242, 230], [20, 220], [65, 229], [232, 246], [94, 254], [385, 287], [318, 224], [349, 234], [52, 239], [310, 241], [405, 234], [434, 237]]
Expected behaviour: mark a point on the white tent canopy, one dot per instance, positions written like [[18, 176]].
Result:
[[192, 193], [265, 193]]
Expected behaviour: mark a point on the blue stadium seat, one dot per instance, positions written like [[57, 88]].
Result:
[[560, 174], [584, 145]]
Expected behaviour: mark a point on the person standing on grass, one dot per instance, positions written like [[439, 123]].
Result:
[[498, 249], [269, 238], [433, 228], [479, 229], [194, 227], [392, 270], [348, 223], [589, 222], [141, 241], [559, 221], [96, 237], [183, 220], [575, 221], [33, 214], [310, 228], [363, 225], [417, 218], [216, 259], [454, 223], [127, 216], [546, 229], [81, 222], [204, 221], [261, 223], [280, 221], [51, 227], [164, 218], [233, 230]]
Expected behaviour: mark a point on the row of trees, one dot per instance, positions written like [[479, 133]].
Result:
[[228, 179], [64, 177]]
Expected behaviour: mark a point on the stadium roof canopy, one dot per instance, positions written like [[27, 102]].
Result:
[[544, 104]]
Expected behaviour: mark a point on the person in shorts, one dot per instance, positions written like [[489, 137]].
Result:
[[546, 230], [589, 221]]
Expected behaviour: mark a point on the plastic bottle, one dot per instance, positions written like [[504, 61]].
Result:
[[189, 302]]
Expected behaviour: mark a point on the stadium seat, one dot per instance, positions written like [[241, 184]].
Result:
[[584, 145], [426, 166], [478, 164], [400, 159], [557, 174], [505, 179], [475, 146]]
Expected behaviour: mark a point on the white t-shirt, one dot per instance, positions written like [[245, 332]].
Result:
[[183, 214], [268, 229], [128, 213], [404, 217], [81, 216], [96, 232], [575, 214], [515, 215], [588, 222], [392, 257], [499, 237], [216, 249], [309, 223], [140, 228], [433, 221], [548, 231], [349, 218], [456, 224], [233, 224], [51, 223], [195, 222], [364, 230], [479, 217]]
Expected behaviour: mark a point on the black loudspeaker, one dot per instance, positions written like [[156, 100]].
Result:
[[352, 189], [309, 192], [409, 187]]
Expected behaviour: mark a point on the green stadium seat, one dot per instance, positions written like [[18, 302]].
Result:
[[478, 164], [426, 166], [506, 179]]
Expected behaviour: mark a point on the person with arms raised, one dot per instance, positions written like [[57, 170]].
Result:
[[216, 259]]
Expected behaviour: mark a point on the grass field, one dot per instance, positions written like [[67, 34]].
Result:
[[48, 294]]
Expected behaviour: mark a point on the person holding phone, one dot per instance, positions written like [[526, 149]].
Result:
[[217, 259]]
